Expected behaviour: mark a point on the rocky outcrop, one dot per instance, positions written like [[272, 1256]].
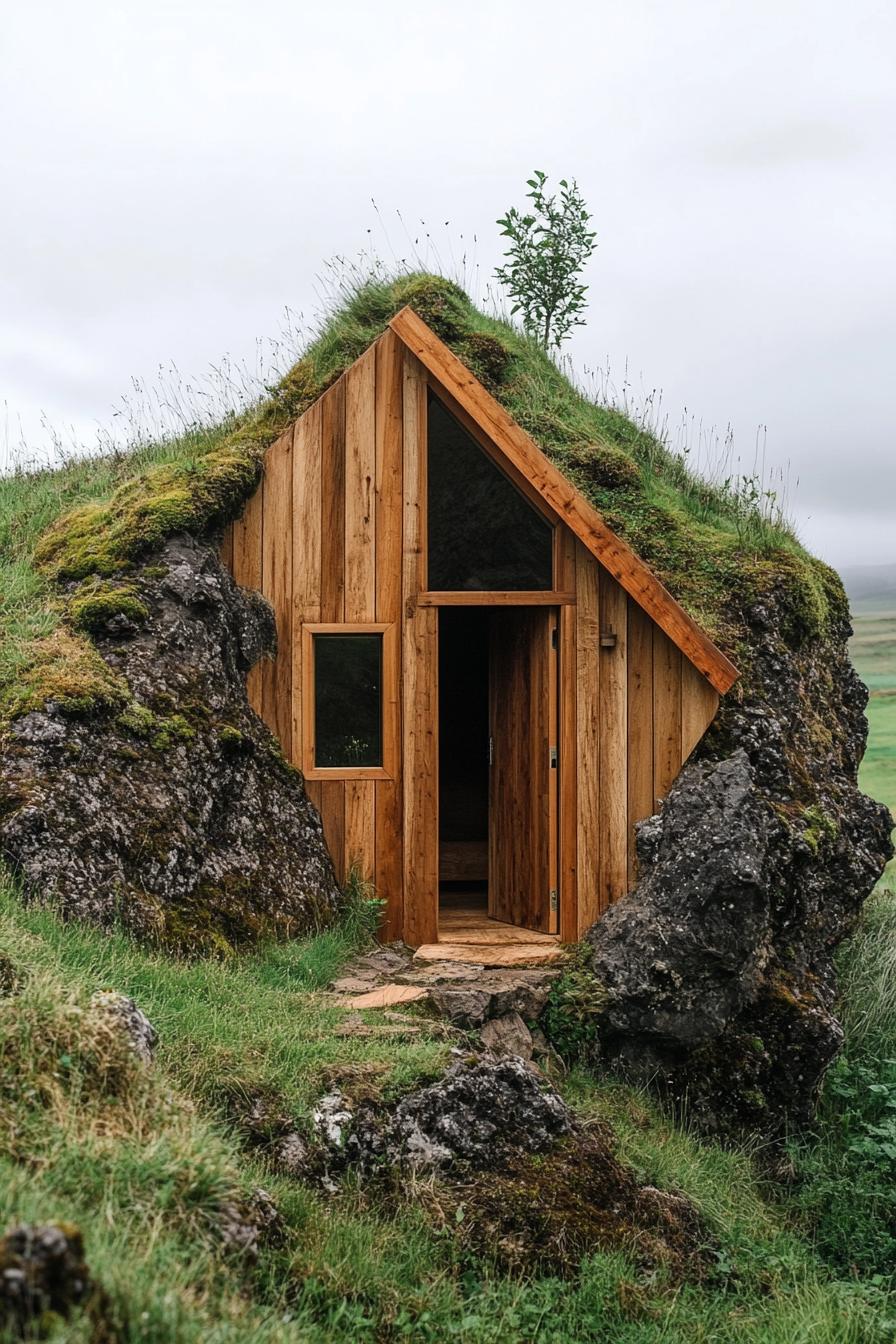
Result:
[[43, 1275], [517, 1178], [717, 969], [177, 817], [128, 1020]]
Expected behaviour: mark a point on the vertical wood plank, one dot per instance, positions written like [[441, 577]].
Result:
[[306, 510], [568, 745], [699, 706], [666, 713], [359, 826], [419, 685], [389, 847], [360, 472], [588, 692], [332, 814], [276, 582], [613, 794], [247, 538], [332, 522], [640, 725]]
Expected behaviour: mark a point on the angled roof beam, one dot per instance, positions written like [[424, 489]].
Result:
[[567, 503]]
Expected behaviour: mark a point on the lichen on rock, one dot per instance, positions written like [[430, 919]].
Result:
[[43, 1276], [172, 814]]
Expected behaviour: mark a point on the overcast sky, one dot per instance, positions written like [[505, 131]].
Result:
[[176, 175]]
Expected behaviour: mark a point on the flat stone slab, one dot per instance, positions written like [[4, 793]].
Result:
[[512, 954], [388, 995]]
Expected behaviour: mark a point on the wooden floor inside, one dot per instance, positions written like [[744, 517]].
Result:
[[466, 933]]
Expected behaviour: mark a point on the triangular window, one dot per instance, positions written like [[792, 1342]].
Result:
[[483, 534]]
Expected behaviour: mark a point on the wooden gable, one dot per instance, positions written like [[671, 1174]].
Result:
[[336, 536]]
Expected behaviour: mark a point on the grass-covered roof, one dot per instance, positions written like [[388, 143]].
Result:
[[68, 537]]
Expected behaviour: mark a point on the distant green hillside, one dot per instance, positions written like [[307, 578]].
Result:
[[870, 588], [873, 649]]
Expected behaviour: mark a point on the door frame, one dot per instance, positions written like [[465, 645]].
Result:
[[558, 675]]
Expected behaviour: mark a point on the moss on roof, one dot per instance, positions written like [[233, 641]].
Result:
[[711, 548]]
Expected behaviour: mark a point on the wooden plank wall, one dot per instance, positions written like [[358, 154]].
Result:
[[322, 539], [337, 532], [640, 709]]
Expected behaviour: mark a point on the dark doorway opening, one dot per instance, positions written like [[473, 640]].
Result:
[[463, 758]]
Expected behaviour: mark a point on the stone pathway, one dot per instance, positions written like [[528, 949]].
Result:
[[497, 1002]]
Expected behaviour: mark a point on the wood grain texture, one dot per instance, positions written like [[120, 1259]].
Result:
[[420, 704], [276, 583], [568, 744], [360, 474], [588, 691], [568, 504], [613, 718], [306, 509], [247, 533], [640, 725], [360, 829], [332, 815], [389, 847], [666, 713], [332, 527], [495, 598], [699, 706], [522, 785]]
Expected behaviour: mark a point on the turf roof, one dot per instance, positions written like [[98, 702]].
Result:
[[711, 548]]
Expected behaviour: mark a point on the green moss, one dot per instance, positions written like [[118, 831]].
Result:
[[97, 603], [67, 670], [714, 554], [572, 1012]]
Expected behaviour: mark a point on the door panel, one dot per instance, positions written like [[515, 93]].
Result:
[[522, 779]]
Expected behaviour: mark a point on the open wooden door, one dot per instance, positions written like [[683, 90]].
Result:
[[522, 881]]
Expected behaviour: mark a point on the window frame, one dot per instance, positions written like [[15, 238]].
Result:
[[432, 387], [388, 706]]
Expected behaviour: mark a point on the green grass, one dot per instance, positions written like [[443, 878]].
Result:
[[144, 1159], [96, 518], [873, 649]]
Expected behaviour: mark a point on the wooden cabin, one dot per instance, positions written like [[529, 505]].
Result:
[[484, 687]]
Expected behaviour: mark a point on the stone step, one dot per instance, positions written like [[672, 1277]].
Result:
[[488, 954]]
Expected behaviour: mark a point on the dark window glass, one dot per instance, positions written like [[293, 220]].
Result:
[[348, 700], [483, 534]]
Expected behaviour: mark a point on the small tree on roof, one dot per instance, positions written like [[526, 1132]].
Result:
[[548, 250]]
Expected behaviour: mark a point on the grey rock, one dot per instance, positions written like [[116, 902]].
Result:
[[136, 1027], [476, 1115], [185, 826], [508, 1035], [42, 1270], [718, 966], [11, 977], [246, 1226]]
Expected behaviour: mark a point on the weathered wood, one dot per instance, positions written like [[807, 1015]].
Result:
[[494, 598], [699, 706], [332, 814], [463, 861], [360, 829], [306, 510], [613, 717], [640, 725], [247, 530], [568, 746], [388, 864], [588, 691], [568, 504], [332, 530], [666, 713], [276, 581], [420, 703], [522, 784], [360, 476]]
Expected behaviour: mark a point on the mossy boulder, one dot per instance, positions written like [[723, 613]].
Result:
[[168, 811]]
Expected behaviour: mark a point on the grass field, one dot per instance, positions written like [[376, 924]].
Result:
[[873, 649]]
